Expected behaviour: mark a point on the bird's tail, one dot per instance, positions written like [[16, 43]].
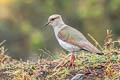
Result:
[[100, 53]]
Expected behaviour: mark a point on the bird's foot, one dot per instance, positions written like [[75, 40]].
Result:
[[72, 65]]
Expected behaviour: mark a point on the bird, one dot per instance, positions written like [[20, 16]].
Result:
[[70, 38]]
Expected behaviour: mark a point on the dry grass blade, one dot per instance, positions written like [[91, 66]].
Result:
[[62, 63], [46, 52], [97, 44], [2, 42]]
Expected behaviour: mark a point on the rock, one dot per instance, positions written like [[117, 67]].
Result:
[[79, 77]]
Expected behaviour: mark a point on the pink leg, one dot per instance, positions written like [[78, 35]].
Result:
[[72, 60]]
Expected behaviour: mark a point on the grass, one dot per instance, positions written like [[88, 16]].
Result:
[[95, 67]]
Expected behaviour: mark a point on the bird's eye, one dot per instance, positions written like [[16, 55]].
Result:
[[53, 19]]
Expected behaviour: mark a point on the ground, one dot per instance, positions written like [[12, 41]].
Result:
[[93, 66]]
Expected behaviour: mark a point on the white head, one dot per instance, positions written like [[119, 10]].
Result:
[[55, 20]]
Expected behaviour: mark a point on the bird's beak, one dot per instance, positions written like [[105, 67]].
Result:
[[46, 24]]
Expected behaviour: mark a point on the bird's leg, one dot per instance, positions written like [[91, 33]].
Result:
[[72, 60]]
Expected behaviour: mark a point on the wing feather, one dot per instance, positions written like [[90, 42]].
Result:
[[73, 36]]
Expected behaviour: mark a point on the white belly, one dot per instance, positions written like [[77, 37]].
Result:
[[68, 47]]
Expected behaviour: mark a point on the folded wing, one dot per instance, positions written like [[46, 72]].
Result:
[[73, 36]]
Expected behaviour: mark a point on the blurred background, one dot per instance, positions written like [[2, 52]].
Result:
[[21, 23]]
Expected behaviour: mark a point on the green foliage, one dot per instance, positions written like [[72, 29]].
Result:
[[36, 40], [90, 9], [115, 5], [26, 28]]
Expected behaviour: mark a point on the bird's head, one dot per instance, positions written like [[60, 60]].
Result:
[[55, 20]]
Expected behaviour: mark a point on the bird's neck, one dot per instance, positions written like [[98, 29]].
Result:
[[58, 28], [57, 23]]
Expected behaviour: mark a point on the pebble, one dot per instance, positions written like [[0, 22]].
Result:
[[79, 77]]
